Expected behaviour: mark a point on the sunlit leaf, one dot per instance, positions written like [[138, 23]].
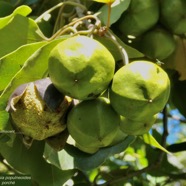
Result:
[[22, 10], [11, 63], [149, 139], [17, 30], [166, 166]]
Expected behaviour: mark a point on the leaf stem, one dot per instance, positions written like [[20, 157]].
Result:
[[48, 11], [70, 26], [109, 14], [58, 6], [122, 51]]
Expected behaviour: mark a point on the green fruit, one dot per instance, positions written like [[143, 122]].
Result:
[[157, 44], [140, 16], [173, 15], [133, 127], [119, 137], [93, 124], [81, 67], [139, 90]]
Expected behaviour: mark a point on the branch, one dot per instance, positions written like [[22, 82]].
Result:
[[164, 135]]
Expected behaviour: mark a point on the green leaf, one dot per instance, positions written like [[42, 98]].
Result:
[[131, 52], [118, 7], [166, 166], [22, 10], [31, 162], [3, 119], [149, 139], [17, 30], [60, 159], [85, 161], [11, 63], [108, 43]]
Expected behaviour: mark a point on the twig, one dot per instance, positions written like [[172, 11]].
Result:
[[109, 14], [58, 6], [164, 135], [48, 11], [122, 51], [60, 31]]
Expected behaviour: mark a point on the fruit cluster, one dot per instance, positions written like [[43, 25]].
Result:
[[85, 94], [87, 97], [152, 26], [111, 104]]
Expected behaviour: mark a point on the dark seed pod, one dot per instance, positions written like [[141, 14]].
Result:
[[58, 141], [38, 110]]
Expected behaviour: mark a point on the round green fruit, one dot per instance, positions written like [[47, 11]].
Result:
[[139, 90], [132, 127], [93, 124], [81, 67], [173, 15], [157, 44], [140, 16], [119, 137]]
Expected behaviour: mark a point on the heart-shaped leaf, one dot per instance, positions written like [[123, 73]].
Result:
[[72, 157], [12, 63], [17, 30]]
